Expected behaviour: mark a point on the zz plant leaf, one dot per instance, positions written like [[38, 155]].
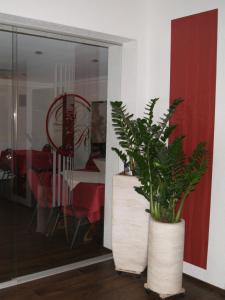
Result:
[[166, 174]]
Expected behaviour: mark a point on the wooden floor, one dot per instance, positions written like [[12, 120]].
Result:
[[23, 252], [100, 282]]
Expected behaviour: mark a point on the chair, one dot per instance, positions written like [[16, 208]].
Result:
[[83, 204], [6, 167], [86, 205], [41, 189], [6, 163], [47, 148], [87, 202]]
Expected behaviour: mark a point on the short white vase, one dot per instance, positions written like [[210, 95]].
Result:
[[129, 226], [165, 258]]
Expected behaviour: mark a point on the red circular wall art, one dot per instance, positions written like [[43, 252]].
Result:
[[67, 123]]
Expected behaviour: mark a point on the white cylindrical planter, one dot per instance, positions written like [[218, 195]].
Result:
[[129, 225], [165, 258]]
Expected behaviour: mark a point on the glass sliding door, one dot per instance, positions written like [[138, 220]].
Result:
[[52, 152], [6, 158], [52, 142]]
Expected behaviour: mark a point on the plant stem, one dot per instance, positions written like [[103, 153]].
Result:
[[178, 215], [173, 208], [150, 180]]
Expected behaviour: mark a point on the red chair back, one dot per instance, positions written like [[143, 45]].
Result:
[[41, 187], [47, 148]]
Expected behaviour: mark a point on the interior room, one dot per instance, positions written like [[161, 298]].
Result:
[[119, 104], [59, 109]]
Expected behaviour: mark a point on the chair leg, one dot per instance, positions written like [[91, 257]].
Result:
[[50, 216], [55, 224], [65, 220], [75, 232], [33, 218]]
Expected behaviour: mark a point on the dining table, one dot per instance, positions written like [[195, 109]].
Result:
[[87, 188], [87, 193]]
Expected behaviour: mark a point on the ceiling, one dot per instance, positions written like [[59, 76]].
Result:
[[37, 58]]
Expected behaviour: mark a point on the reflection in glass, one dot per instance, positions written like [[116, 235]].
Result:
[[53, 174]]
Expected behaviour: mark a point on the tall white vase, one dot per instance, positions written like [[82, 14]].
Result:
[[129, 225], [165, 258]]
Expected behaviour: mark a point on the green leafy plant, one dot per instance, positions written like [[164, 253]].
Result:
[[166, 174], [124, 126]]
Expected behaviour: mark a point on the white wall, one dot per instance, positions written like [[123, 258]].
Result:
[[161, 12]]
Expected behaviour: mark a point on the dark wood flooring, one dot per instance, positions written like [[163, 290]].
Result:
[[23, 252], [101, 282]]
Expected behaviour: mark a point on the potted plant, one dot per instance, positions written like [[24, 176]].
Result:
[[166, 178]]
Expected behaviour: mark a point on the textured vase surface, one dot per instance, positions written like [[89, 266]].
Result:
[[129, 225], [165, 257]]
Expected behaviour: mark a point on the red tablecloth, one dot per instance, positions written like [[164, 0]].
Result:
[[88, 199]]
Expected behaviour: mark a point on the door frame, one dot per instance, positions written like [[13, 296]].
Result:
[[120, 54]]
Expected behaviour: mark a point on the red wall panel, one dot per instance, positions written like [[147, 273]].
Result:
[[193, 77]]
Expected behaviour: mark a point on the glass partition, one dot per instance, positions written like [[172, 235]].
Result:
[[52, 142], [6, 158]]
